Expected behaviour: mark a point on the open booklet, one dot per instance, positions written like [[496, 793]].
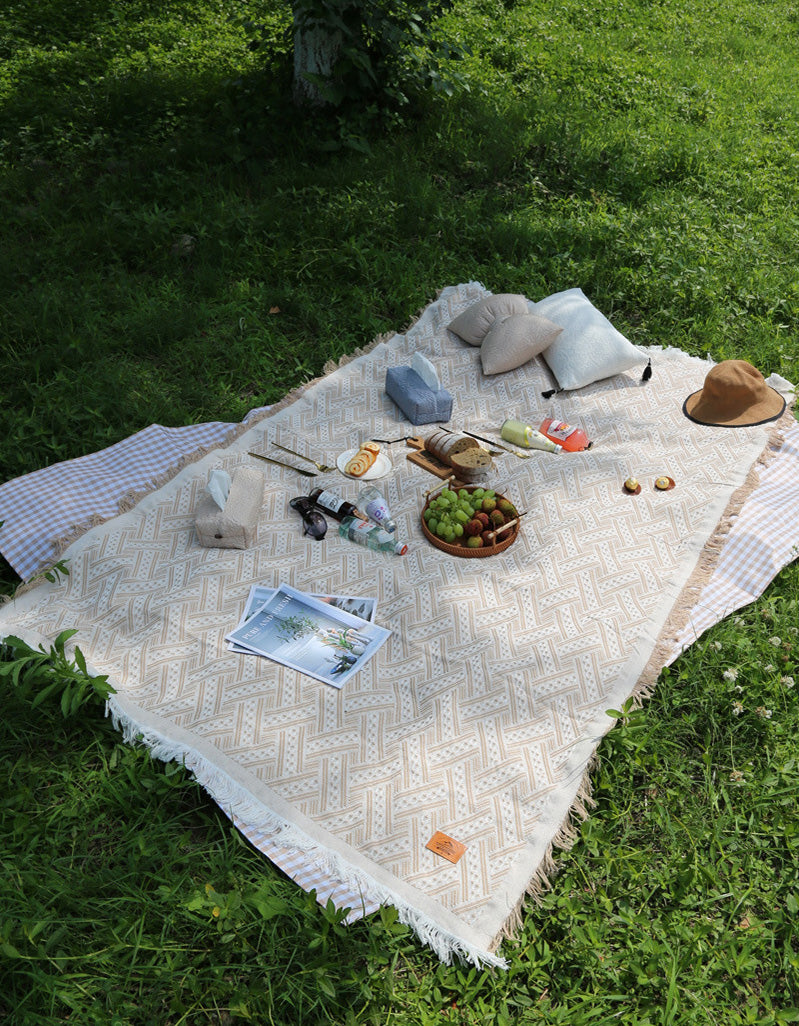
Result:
[[311, 634]]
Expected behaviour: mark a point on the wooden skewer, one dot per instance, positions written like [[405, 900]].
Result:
[[501, 530], [510, 523]]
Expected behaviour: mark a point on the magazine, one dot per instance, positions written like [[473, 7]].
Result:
[[310, 635], [366, 608]]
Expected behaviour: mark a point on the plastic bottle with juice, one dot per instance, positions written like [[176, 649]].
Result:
[[570, 438]]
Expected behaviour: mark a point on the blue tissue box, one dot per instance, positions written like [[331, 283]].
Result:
[[419, 403]]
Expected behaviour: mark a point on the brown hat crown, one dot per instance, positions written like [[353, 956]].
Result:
[[734, 395]]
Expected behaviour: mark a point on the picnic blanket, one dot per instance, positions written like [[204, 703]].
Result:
[[480, 715]]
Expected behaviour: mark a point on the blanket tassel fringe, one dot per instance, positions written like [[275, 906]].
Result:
[[240, 805]]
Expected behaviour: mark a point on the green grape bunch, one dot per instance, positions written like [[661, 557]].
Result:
[[462, 517]]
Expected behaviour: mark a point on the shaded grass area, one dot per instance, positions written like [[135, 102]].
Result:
[[177, 247], [606, 149]]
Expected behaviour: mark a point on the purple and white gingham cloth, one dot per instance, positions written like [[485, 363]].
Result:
[[764, 538], [39, 509]]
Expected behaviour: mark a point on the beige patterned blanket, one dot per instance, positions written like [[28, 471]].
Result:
[[480, 715]]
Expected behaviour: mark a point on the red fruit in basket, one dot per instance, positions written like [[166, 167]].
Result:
[[483, 518], [488, 537], [473, 528], [497, 519]]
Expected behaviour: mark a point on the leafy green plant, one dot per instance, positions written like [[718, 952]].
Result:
[[52, 673], [291, 628]]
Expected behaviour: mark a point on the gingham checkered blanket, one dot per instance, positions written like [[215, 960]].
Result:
[[42, 509]]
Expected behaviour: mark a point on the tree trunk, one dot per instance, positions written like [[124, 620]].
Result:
[[316, 50]]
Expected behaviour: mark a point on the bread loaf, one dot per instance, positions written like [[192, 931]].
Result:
[[363, 459], [472, 464], [445, 444]]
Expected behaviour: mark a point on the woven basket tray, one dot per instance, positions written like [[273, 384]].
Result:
[[506, 539]]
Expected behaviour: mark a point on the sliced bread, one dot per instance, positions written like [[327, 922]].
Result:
[[472, 464]]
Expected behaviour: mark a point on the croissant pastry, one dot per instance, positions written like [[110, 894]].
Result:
[[363, 459]]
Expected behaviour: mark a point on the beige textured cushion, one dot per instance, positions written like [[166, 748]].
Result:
[[515, 340], [475, 322]]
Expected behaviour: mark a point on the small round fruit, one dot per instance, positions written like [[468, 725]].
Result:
[[497, 519], [506, 506], [483, 518], [475, 542], [473, 528], [488, 537], [488, 504]]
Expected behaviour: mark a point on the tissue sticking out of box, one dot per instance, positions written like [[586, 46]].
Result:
[[234, 526], [426, 371], [417, 391], [219, 487]]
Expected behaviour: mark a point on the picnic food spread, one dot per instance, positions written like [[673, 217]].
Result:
[[464, 516]]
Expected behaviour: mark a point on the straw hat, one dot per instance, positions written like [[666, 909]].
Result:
[[734, 395]]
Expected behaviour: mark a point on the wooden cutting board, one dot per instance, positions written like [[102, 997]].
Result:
[[427, 461]]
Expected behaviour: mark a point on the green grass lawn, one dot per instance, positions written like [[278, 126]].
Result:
[[177, 246]]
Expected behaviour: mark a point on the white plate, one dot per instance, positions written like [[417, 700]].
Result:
[[380, 467]]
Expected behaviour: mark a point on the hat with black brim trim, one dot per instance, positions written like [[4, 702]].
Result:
[[734, 394]]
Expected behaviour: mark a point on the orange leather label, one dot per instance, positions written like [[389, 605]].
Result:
[[447, 847]]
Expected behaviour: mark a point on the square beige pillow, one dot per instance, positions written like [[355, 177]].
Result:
[[515, 340], [475, 322]]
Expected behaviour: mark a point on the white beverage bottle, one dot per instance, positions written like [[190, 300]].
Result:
[[523, 434], [372, 501]]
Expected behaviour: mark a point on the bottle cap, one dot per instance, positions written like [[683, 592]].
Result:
[[400, 549]]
